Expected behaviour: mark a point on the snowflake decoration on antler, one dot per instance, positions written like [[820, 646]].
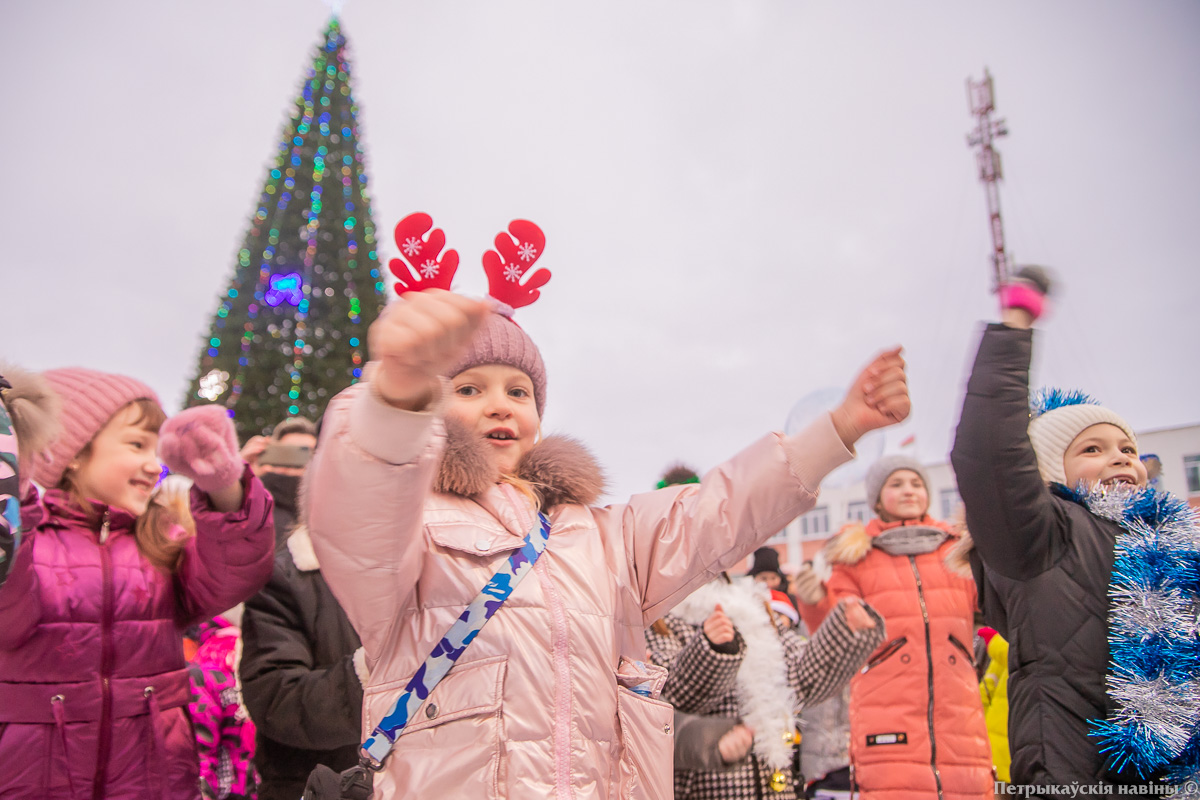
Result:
[[421, 268], [517, 250]]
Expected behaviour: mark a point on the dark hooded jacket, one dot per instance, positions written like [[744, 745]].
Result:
[[300, 679], [1043, 564]]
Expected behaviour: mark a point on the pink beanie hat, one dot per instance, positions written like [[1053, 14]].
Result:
[[499, 340], [89, 400]]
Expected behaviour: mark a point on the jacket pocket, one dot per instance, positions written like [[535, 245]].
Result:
[[885, 652], [962, 648], [646, 728], [452, 746]]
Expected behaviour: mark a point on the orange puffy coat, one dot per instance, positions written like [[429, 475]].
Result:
[[916, 721]]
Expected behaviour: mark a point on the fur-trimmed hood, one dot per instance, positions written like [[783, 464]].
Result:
[[560, 468], [852, 543]]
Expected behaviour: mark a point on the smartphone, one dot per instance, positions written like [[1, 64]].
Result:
[[285, 455]]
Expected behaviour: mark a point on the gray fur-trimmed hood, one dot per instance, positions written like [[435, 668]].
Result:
[[560, 468]]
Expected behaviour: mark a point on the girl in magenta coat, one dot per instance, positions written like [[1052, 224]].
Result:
[[93, 682]]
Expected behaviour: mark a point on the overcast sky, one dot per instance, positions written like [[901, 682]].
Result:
[[743, 201]]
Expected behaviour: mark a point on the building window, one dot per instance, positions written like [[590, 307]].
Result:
[[858, 511], [950, 503], [1191, 468], [815, 523]]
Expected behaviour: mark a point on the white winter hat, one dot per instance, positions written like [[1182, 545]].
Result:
[[1059, 417]]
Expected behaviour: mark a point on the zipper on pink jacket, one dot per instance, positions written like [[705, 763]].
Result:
[[104, 743], [562, 670]]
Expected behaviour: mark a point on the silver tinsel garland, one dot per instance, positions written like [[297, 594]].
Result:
[[1153, 631]]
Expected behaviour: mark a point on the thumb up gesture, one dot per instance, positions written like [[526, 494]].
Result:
[[718, 628], [416, 339]]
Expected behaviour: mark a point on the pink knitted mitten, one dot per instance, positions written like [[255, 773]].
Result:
[[201, 443]]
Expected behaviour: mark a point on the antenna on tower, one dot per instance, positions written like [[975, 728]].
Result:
[[983, 103]]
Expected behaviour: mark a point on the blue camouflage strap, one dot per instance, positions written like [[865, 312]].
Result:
[[464, 630]]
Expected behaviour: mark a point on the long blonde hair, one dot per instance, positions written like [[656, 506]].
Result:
[[153, 529], [527, 488]]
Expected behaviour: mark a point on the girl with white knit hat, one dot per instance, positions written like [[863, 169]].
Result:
[[1090, 575]]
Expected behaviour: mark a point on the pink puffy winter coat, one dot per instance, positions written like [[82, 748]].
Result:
[[537, 707], [93, 682]]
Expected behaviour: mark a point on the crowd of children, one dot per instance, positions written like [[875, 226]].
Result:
[[450, 592]]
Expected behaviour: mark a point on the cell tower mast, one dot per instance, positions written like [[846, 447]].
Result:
[[983, 103]]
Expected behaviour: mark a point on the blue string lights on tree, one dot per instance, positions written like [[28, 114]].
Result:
[[290, 331]]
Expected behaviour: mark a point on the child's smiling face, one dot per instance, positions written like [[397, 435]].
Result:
[[496, 402], [120, 467], [902, 497], [1103, 455]]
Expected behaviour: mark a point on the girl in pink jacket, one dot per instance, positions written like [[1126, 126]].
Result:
[[93, 682], [432, 471]]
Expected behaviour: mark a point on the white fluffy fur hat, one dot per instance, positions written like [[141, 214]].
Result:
[[1059, 417]]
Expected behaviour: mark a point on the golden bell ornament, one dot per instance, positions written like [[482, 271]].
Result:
[[778, 781]]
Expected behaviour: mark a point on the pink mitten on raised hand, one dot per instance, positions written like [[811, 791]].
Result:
[[201, 443]]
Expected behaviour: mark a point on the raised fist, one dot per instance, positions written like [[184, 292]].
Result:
[[878, 397], [201, 443], [808, 586], [1026, 292], [416, 339]]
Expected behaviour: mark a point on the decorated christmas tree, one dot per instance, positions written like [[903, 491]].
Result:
[[290, 330]]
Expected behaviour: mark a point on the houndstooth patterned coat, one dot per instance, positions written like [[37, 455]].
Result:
[[704, 681]]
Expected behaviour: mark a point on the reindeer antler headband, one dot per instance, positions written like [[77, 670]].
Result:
[[499, 340], [423, 265]]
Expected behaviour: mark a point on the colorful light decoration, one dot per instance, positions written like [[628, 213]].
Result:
[[318, 258], [287, 288]]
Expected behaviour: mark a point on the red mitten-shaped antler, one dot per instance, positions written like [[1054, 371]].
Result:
[[424, 269], [515, 259]]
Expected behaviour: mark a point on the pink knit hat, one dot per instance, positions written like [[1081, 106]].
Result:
[[89, 400], [499, 340], [512, 283]]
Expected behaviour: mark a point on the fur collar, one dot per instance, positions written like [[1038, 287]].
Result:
[[851, 544], [559, 467], [765, 698], [958, 557], [299, 544]]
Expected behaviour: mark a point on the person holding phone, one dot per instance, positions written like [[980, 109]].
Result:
[[280, 461]]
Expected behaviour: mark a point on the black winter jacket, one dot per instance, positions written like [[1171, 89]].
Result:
[[1043, 564], [299, 678]]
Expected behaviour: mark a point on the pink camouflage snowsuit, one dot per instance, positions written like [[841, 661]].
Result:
[[224, 731]]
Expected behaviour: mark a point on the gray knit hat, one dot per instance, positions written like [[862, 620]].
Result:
[[882, 469], [499, 340]]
